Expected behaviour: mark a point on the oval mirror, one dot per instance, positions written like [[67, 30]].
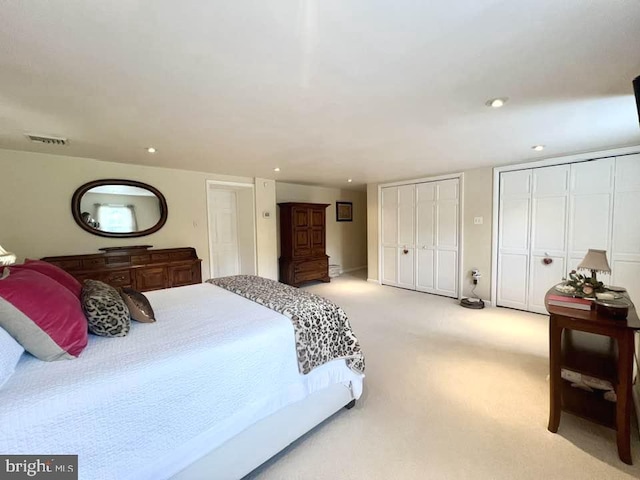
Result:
[[119, 208]]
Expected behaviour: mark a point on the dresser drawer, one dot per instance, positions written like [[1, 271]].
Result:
[[311, 265], [93, 263], [119, 278]]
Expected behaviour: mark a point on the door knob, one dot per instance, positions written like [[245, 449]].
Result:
[[547, 261]]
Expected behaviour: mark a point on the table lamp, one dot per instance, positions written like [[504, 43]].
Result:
[[596, 261]]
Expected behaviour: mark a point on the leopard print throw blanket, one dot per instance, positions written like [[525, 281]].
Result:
[[322, 329]]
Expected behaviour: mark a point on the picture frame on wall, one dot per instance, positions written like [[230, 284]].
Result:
[[344, 211]]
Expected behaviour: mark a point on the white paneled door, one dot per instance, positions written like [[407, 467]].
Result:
[[549, 213], [550, 217], [625, 260], [420, 236], [223, 224], [398, 236], [513, 239]]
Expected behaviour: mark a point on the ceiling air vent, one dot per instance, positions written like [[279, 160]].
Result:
[[47, 139]]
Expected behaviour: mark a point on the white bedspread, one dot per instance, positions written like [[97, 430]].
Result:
[[146, 405]]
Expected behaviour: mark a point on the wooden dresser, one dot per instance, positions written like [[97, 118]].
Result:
[[139, 267], [303, 255]]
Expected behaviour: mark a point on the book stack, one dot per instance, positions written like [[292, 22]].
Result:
[[570, 302]]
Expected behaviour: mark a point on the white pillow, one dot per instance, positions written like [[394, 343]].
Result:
[[10, 353]]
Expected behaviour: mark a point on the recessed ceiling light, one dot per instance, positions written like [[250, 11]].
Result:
[[350, 180], [538, 148], [277, 169], [151, 150], [496, 102]]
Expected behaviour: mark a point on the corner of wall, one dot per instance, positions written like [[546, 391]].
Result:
[[266, 230]]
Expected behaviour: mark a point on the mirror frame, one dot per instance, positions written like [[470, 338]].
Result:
[[77, 214]]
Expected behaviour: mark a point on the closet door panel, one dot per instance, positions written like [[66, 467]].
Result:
[[590, 222], [406, 263], [514, 217], [447, 278], [513, 275], [513, 239], [590, 204], [390, 216], [625, 260], [549, 224], [595, 176], [425, 236], [447, 224], [406, 214], [389, 235], [425, 277], [447, 220], [426, 215], [626, 274], [626, 223], [389, 265], [543, 277]]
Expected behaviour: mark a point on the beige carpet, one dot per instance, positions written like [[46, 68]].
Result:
[[450, 393]]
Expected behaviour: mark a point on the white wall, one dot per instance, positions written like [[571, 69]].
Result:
[[266, 228], [476, 244], [346, 241], [36, 221]]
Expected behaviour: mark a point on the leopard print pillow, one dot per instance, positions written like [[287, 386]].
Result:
[[106, 312]]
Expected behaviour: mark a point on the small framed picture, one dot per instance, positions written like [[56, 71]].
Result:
[[344, 211]]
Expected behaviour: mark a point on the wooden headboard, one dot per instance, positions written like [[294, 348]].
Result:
[[138, 267]]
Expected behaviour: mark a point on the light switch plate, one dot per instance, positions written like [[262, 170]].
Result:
[[478, 220]]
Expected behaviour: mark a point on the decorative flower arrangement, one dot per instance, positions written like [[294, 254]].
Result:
[[583, 285]]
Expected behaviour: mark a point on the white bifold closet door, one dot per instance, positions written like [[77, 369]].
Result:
[[437, 237], [398, 236], [420, 236], [549, 217], [625, 259], [549, 213]]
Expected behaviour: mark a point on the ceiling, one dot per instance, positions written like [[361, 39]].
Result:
[[325, 90]]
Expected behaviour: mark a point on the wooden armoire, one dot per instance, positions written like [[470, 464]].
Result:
[[303, 255]]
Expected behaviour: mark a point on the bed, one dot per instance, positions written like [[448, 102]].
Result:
[[211, 390]]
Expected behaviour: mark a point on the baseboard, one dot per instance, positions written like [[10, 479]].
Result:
[[353, 269], [373, 280]]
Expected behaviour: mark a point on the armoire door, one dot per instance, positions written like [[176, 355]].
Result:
[[549, 221]]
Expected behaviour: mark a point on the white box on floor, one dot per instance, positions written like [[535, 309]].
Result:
[[335, 271]]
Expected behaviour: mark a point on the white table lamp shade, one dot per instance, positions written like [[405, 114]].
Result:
[[595, 260], [7, 258]]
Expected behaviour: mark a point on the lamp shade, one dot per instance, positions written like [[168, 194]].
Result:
[[7, 258], [595, 260]]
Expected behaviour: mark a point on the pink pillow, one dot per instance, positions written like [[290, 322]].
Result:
[[59, 275], [42, 315]]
